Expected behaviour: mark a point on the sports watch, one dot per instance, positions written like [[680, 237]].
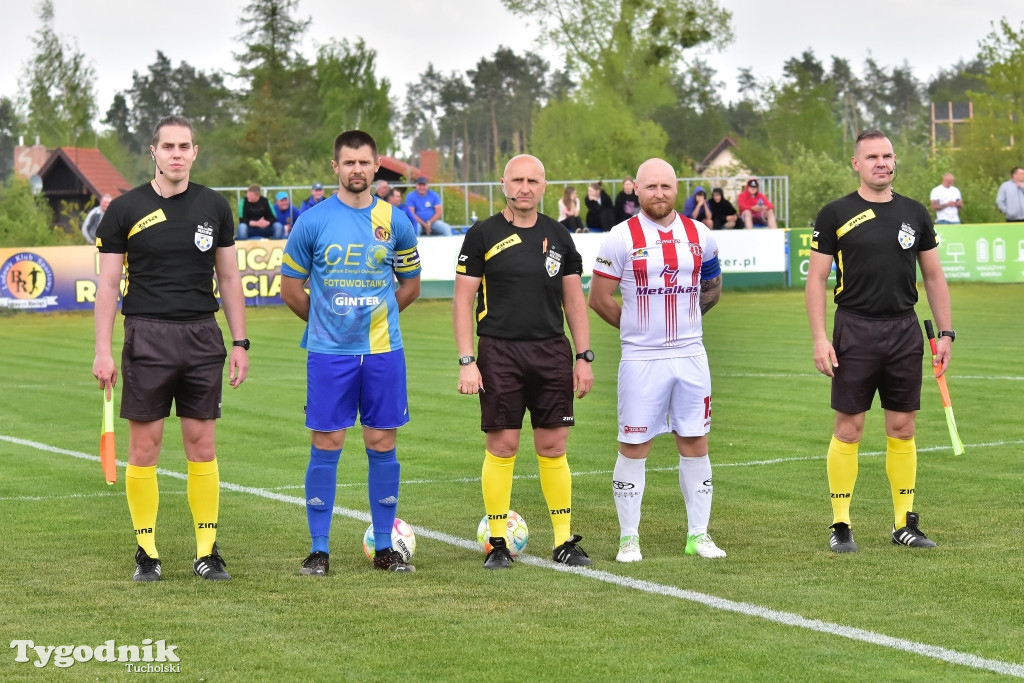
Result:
[[587, 355], [948, 333], [244, 343], [466, 360]]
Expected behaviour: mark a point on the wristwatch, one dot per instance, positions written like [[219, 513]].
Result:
[[948, 333], [587, 355], [244, 343], [466, 360]]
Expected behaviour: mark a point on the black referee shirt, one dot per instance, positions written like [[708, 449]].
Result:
[[875, 247], [520, 294], [170, 246]]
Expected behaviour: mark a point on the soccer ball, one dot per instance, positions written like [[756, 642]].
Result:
[[516, 534], [402, 539]]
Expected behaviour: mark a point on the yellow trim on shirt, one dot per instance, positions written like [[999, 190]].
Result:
[[483, 298], [149, 221], [380, 217], [839, 263], [854, 222], [289, 261], [380, 340], [502, 246]]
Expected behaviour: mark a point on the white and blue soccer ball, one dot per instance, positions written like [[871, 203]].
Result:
[[517, 535], [402, 539]]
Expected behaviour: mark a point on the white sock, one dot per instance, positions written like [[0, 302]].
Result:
[[628, 480], [695, 482]]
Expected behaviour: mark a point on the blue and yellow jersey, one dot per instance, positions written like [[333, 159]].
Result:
[[351, 257]]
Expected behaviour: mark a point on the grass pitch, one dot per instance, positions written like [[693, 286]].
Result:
[[780, 607]]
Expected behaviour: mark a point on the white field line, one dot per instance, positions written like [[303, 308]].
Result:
[[714, 602], [749, 463]]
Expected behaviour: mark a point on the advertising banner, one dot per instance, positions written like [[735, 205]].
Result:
[[992, 252], [65, 278]]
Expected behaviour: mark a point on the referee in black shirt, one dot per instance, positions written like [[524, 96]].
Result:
[[171, 236], [523, 270], [876, 239]]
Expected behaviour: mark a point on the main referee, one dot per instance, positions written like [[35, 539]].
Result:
[[170, 235], [523, 269], [876, 238]]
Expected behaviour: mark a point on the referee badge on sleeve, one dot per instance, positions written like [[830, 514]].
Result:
[[552, 262], [906, 237]]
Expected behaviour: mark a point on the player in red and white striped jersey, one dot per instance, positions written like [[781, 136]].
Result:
[[667, 269]]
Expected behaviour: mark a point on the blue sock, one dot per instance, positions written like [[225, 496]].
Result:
[[382, 483], [321, 486]]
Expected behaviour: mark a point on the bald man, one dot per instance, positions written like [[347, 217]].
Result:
[[666, 266], [946, 201], [523, 272]]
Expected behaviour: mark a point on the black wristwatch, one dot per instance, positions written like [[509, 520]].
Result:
[[466, 360], [244, 343], [587, 355], [948, 333]]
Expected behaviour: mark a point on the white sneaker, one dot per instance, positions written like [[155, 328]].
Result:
[[701, 545], [629, 549]]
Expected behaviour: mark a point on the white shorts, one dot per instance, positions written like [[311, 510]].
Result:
[[665, 395]]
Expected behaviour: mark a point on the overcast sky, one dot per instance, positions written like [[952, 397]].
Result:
[[121, 36]]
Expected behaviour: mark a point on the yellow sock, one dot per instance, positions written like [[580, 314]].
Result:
[[901, 466], [204, 501], [556, 483], [842, 475], [496, 479], [143, 495]]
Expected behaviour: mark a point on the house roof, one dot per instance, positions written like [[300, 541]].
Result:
[[94, 170], [719, 148], [398, 168]]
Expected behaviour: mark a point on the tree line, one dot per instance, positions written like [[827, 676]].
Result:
[[628, 88]]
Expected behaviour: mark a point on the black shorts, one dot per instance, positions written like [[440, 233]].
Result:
[[525, 374], [877, 354], [165, 360]]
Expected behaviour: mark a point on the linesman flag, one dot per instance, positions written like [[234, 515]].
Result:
[[108, 454], [954, 436]]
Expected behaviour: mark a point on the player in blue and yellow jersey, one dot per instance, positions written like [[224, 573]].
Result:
[[348, 250]]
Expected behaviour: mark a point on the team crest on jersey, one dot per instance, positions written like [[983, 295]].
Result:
[[552, 262], [906, 236], [204, 237], [381, 234]]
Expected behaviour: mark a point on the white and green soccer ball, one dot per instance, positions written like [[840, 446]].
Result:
[[402, 539], [517, 535]]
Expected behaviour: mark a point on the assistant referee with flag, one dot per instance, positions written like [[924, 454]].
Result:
[[171, 235], [877, 238]]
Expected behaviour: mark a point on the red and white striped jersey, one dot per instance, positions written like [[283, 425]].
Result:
[[659, 271]]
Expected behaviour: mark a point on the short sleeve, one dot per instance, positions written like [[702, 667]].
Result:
[[471, 256], [611, 256]]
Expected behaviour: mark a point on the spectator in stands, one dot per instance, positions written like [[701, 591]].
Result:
[[255, 217], [600, 210], [697, 208], [313, 199], [723, 213], [395, 199], [284, 211], [627, 204], [1010, 198], [569, 210], [92, 219], [946, 201], [426, 206], [383, 190], [755, 209]]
